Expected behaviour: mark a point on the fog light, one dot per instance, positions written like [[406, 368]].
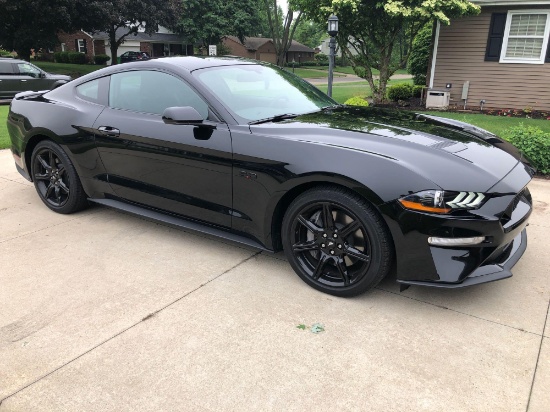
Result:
[[455, 241]]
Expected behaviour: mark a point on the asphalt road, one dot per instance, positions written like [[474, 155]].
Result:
[[102, 311]]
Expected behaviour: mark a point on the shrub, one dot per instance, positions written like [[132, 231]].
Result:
[[5, 53], [61, 57], [310, 63], [400, 92], [77, 58], [356, 101], [420, 55], [534, 143], [321, 58], [417, 90], [101, 58]]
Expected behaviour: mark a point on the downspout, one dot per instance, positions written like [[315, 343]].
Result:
[[434, 58]]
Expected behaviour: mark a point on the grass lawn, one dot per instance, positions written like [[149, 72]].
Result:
[[4, 139], [343, 91], [495, 124], [311, 73], [73, 70], [349, 70]]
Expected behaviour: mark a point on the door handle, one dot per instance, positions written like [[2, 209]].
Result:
[[23, 80], [109, 131]]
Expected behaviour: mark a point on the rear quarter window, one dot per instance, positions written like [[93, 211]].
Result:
[[89, 91]]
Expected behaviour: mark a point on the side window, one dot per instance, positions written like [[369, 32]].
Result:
[[152, 92], [89, 91], [6, 68], [27, 69]]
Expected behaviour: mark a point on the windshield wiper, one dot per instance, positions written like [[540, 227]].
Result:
[[277, 118]]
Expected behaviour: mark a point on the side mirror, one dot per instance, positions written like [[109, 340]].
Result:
[[42, 75], [182, 115]]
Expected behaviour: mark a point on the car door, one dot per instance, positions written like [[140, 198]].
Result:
[[30, 78], [8, 83], [181, 169]]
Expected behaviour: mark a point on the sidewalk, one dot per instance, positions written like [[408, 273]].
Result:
[[103, 311]]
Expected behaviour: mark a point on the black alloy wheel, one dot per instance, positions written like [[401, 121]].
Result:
[[55, 179], [336, 242]]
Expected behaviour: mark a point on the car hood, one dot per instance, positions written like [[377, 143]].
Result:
[[58, 77], [445, 151]]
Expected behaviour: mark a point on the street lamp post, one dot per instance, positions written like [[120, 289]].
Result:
[[332, 31]]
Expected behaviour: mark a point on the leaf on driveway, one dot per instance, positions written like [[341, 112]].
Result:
[[301, 326], [317, 328]]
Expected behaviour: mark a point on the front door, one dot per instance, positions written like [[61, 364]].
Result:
[[180, 169]]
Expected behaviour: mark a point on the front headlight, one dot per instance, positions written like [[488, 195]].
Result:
[[441, 201]]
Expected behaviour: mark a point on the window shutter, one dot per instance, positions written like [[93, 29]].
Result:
[[75, 44], [85, 46], [547, 59], [496, 35]]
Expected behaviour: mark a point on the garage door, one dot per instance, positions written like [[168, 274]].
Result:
[[268, 57]]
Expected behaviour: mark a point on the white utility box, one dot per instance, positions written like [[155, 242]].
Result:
[[437, 99]]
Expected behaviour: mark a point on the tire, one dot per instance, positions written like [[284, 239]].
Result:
[[55, 179], [336, 241]]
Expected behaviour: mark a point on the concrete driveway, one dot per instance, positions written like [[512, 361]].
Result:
[[102, 311]]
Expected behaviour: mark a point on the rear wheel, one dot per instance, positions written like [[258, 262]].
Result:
[[56, 180], [336, 242]]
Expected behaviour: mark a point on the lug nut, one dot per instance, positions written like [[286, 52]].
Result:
[[324, 235], [332, 252], [323, 245], [335, 236], [339, 246]]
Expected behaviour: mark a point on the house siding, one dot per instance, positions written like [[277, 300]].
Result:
[[461, 58]]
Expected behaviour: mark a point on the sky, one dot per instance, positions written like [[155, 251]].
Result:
[[283, 5]]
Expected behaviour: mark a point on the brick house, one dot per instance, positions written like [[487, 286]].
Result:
[[162, 43], [261, 48]]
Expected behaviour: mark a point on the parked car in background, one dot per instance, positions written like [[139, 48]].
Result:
[[20, 76], [131, 56]]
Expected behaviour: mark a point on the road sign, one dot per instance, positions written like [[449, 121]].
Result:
[[212, 50]]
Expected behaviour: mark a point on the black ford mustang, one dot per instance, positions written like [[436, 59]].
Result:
[[252, 153]]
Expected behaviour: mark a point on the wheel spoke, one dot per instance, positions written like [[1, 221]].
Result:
[[357, 254], [343, 270], [63, 187], [305, 246], [42, 176], [57, 194], [320, 266], [328, 220], [49, 191], [350, 228], [309, 224], [43, 162], [52, 161], [61, 169]]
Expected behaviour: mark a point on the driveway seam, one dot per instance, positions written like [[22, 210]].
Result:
[[149, 316], [458, 311], [15, 181], [538, 357]]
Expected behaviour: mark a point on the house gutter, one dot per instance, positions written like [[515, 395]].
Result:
[[434, 54]]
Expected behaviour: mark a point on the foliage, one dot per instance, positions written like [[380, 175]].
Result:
[[321, 58], [534, 143], [417, 90], [356, 101], [34, 24], [61, 57], [400, 92], [282, 35], [5, 53], [101, 59], [77, 58], [4, 137], [206, 22], [122, 18], [73, 70], [420, 55], [310, 33], [374, 29]]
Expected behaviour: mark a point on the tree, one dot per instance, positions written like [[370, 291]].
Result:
[[122, 18], [371, 30], [34, 24], [420, 55], [207, 22], [282, 36], [310, 33]]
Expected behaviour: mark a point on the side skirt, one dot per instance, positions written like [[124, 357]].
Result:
[[178, 222]]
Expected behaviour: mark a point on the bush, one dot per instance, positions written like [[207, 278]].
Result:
[[61, 57], [321, 58], [356, 101], [400, 92], [534, 143], [5, 53], [420, 55], [417, 90], [77, 58], [310, 63], [101, 59]]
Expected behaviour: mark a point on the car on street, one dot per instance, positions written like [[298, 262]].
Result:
[[249, 152], [131, 56], [19, 76]]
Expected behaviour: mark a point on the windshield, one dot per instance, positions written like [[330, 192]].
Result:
[[255, 92]]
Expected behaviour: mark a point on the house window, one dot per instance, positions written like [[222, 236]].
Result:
[[525, 37], [63, 47], [81, 46]]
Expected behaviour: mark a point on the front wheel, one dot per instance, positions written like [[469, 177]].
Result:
[[56, 180], [336, 242]]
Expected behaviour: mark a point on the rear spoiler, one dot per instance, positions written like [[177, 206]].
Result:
[[28, 95]]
